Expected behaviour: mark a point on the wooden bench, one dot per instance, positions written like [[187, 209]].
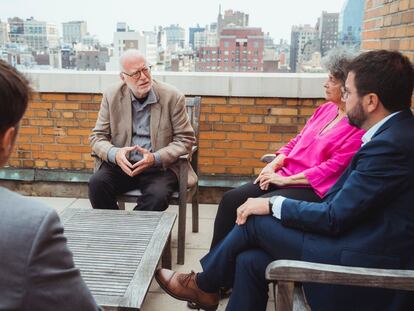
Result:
[[287, 276], [117, 252]]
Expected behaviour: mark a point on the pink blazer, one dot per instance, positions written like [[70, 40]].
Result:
[[321, 157]]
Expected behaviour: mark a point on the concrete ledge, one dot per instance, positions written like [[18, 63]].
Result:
[[59, 183], [286, 85], [44, 175]]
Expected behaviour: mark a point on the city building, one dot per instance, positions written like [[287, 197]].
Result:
[[231, 18], [37, 35], [175, 36], [91, 60], [16, 30], [240, 49], [302, 39], [328, 31], [74, 31], [4, 33], [125, 40], [350, 23], [192, 32]]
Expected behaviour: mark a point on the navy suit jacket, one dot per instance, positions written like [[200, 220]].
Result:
[[366, 220]]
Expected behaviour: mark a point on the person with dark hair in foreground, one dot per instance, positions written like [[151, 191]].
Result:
[[366, 219], [36, 267]]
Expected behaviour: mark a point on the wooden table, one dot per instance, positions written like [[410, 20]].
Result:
[[117, 252]]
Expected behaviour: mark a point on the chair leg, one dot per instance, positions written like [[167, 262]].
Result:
[[182, 210], [121, 205], [194, 204], [166, 260]]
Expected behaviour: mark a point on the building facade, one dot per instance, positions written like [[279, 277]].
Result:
[[240, 49], [74, 31], [328, 31]]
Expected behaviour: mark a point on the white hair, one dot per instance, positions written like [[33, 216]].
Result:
[[131, 53]]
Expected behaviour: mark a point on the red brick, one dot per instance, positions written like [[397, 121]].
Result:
[[255, 145], [226, 161], [212, 169], [268, 137], [53, 96], [254, 128], [269, 101], [224, 109], [241, 101], [82, 97], [240, 170], [212, 135], [213, 100], [226, 127], [227, 144], [240, 136], [66, 106]]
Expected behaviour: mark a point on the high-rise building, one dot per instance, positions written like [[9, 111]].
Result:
[[175, 36], [240, 49], [232, 18], [74, 31], [350, 22], [132, 40], [4, 33], [302, 39], [328, 31], [40, 35], [16, 30], [192, 32]]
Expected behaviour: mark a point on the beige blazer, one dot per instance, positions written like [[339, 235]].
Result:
[[171, 131]]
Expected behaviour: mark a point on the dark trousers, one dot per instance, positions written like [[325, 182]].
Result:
[[240, 260], [156, 185], [227, 210]]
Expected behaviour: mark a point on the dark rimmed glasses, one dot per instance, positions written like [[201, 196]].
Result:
[[137, 74]]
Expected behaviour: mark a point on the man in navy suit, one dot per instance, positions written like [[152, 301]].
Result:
[[366, 219]]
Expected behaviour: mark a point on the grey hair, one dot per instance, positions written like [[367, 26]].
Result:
[[337, 62], [131, 53]]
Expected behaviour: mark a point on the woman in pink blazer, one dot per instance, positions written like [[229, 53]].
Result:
[[310, 163]]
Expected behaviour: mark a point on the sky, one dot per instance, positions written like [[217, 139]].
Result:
[[273, 16]]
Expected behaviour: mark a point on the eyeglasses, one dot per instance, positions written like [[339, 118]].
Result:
[[137, 74]]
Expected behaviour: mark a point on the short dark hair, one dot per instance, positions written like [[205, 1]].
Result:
[[389, 74], [15, 93]]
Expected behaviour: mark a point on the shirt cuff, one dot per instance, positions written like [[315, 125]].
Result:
[[277, 206], [157, 159], [111, 154]]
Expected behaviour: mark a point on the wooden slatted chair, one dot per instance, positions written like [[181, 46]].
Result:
[[184, 193], [287, 276]]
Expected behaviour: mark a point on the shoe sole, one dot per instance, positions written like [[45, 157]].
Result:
[[199, 306]]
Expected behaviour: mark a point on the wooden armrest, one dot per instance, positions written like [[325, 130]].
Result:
[[301, 271], [268, 157]]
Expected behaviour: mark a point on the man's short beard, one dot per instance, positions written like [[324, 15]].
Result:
[[357, 117]]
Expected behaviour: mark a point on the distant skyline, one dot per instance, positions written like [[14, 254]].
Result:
[[275, 17]]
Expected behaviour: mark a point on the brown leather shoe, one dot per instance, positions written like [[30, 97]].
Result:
[[184, 287]]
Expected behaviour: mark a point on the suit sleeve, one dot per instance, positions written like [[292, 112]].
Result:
[[183, 135], [53, 281], [380, 172], [100, 139]]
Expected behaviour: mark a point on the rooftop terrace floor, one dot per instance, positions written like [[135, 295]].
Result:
[[197, 245]]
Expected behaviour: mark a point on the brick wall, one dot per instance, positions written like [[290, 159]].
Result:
[[234, 132], [389, 24]]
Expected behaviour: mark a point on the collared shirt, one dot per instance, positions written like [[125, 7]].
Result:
[[371, 132], [277, 204], [141, 134]]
